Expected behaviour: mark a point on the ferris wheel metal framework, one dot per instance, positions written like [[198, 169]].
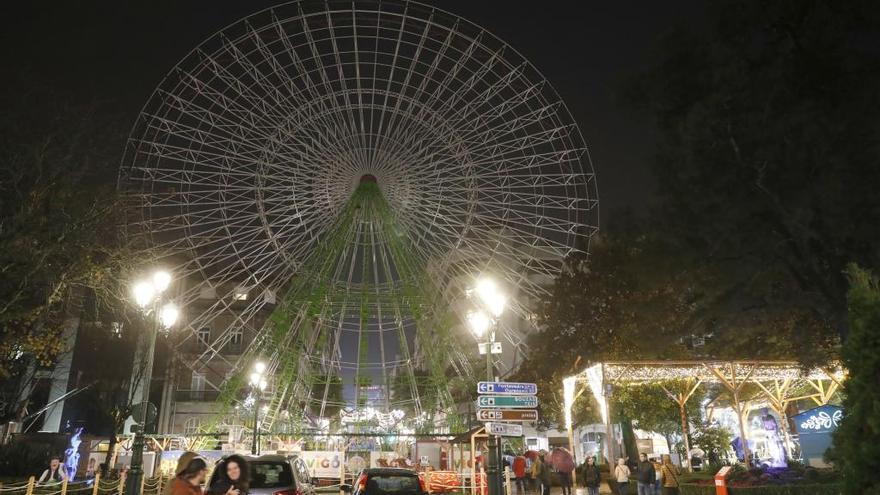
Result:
[[247, 168]]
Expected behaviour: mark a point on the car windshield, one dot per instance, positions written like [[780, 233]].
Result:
[[380, 484], [270, 474]]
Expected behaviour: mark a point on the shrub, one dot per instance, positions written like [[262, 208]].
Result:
[[787, 490], [23, 459]]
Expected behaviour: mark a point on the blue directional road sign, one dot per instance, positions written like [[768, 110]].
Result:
[[507, 388], [511, 401]]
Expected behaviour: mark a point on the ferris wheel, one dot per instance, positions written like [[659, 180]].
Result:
[[319, 157]]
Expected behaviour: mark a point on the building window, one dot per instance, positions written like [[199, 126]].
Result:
[[197, 386], [235, 337], [207, 292], [191, 425], [204, 336]]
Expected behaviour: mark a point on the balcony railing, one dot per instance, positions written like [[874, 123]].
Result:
[[196, 395]]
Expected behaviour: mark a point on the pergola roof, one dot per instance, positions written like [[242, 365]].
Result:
[[711, 371]]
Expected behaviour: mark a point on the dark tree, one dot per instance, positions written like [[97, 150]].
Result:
[[856, 450], [59, 216], [769, 146]]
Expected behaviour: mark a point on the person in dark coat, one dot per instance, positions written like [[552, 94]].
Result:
[[590, 477], [543, 473], [646, 476], [233, 477]]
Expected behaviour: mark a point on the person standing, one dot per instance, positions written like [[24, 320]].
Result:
[[56, 472], [534, 464], [189, 479], [658, 483], [590, 476], [646, 476], [519, 472], [621, 476], [669, 476], [232, 477], [543, 473], [564, 465]]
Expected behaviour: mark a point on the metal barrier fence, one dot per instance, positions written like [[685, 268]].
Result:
[[96, 486]]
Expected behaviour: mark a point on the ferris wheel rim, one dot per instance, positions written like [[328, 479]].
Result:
[[410, 218]]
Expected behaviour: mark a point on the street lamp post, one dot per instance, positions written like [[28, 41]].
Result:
[[258, 385], [147, 295], [483, 323]]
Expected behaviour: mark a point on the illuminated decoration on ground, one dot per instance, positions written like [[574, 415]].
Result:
[[71, 454]]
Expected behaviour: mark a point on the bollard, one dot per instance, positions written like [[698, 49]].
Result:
[[64, 487], [507, 480], [97, 482], [159, 484], [721, 481], [122, 477], [30, 486], [143, 479]]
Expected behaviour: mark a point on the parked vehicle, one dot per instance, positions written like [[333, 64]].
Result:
[[387, 481], [277, 475]]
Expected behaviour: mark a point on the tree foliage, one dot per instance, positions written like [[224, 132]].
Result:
[[58, 218], [651, 409], [713, 440], [766, 189], [856, 448], [768, 140]]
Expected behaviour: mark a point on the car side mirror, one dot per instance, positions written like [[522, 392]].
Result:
[[345, 487]]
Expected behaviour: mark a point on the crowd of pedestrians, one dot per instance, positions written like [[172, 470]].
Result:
[[534, 473], [651, 477]]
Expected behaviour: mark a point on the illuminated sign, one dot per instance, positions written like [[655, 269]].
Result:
[[822, 420]]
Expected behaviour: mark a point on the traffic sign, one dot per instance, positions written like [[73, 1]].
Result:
[[504, 429], [507, 415], [515, 401], [507, 388]]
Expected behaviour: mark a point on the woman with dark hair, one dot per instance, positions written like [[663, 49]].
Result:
[[190, 477], [232, 477]]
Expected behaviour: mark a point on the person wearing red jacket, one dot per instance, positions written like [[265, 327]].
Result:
[[519, 471]]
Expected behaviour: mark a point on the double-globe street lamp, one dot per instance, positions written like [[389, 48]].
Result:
[[258, 385], [491, 302], [148, 296]]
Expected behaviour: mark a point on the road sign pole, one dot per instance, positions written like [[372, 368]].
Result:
[[492, 443]]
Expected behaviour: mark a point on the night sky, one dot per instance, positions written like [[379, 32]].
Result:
[[119, 50]]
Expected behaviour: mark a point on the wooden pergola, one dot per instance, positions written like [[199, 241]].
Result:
[[779, 382]]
